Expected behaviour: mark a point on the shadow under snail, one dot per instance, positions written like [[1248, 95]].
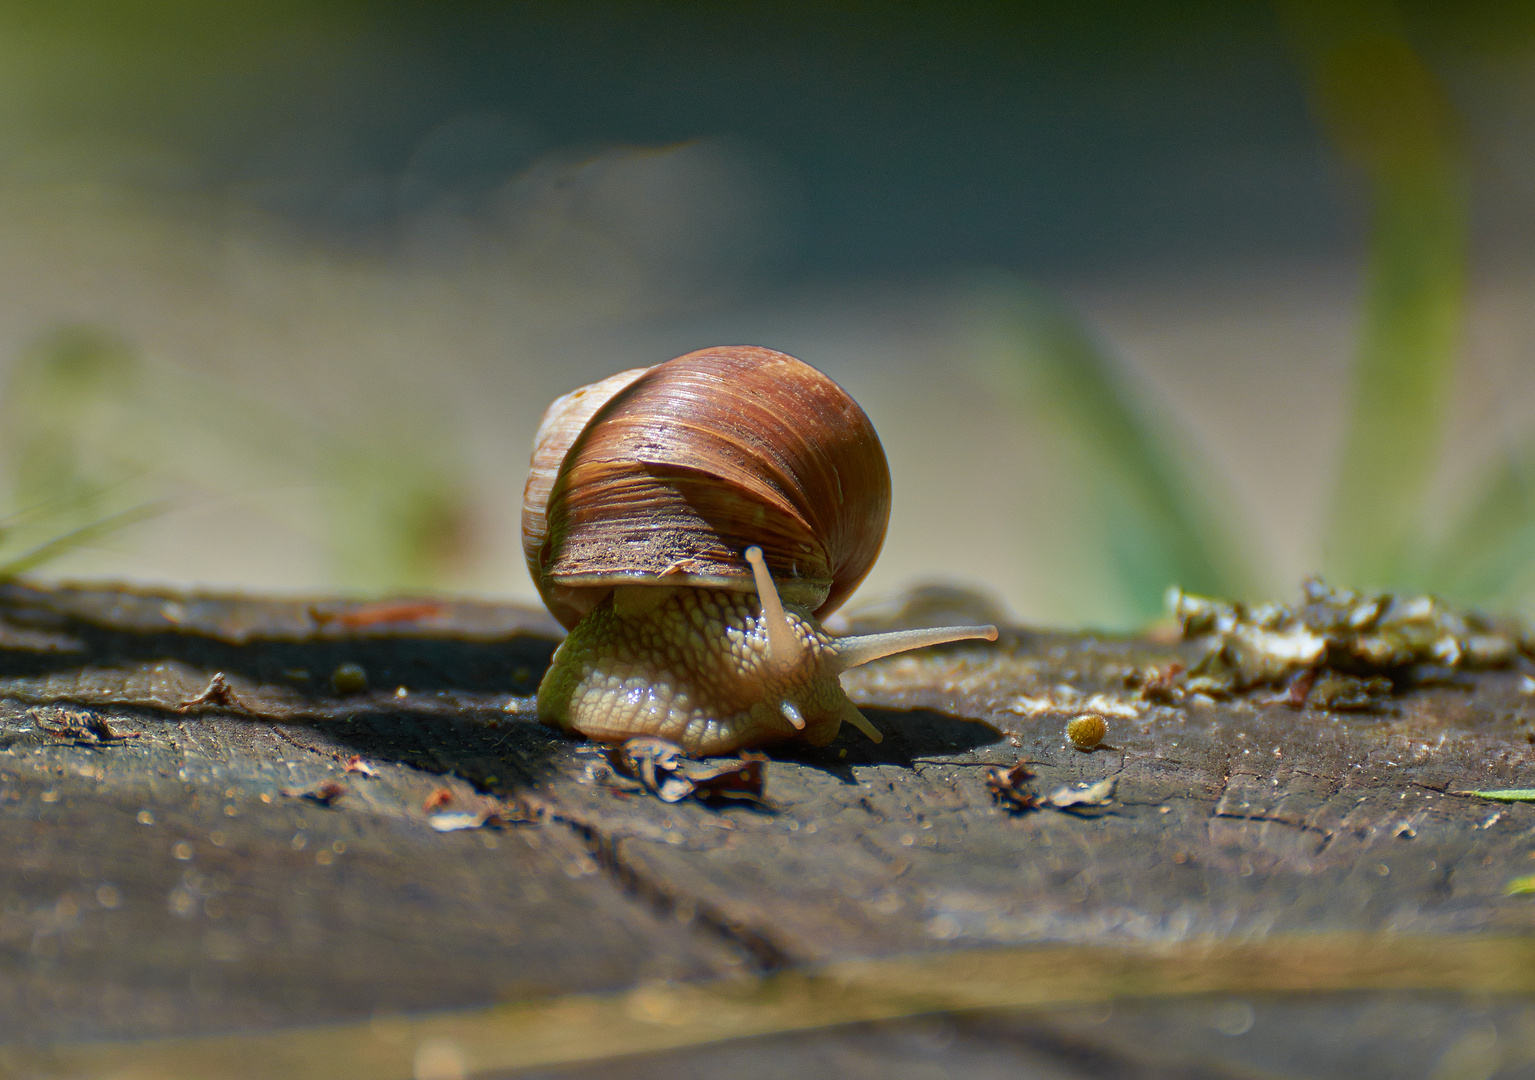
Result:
[[689, 524]]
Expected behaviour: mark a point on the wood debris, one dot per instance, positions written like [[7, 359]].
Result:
[[325, 794], [217, 692], [1009, 789], [664, 769], [1336, 649], [1083, 796], [384, 611], [82, 727], [485, 819]]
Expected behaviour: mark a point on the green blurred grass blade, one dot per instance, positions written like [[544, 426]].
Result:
[[396, 520], [1402, 381], [90, 429], [1488, 558], [1387, 114], [1503, 794], [63, 425], [48, 550], [1159, 526]]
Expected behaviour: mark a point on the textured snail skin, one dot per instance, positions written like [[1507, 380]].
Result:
[[693, 670], [714, 670]]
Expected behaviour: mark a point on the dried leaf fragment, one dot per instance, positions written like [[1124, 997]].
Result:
[[489, 814], [83, 727], [665, 770], [1158, 682], [326, 794], [1332, 690], [386, 611], [217, 692], [1083, 796], [1007, 788], [454, 822]]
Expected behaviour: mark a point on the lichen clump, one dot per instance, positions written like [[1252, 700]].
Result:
[[1336, 649]]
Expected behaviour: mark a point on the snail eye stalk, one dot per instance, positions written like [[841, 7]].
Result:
[[853, 651], [784, 645]]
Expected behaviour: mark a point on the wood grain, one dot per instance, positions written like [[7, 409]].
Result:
[[168, 881]]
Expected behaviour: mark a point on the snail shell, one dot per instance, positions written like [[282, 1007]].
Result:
[[666, 475], [689, 523]]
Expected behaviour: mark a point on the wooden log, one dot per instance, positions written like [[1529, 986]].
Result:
[[197, 884]]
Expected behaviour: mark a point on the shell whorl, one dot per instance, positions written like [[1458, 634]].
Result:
[[666, 475], [562, 423]]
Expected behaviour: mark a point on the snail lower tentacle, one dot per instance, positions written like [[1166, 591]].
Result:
[[712, 670]]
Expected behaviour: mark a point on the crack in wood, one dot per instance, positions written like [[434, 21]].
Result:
[[761, 951]]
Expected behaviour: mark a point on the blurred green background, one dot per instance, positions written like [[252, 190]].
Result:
[[1214, 294]]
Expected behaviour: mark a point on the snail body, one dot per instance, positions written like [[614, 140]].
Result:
[[689, 524]]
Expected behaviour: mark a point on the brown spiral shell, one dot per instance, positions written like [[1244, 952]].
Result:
[[666, 475]]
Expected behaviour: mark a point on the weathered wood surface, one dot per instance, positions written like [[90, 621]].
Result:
[[165, 880]]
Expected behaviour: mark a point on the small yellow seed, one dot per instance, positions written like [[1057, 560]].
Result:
[[349, 679], [1087, 731]]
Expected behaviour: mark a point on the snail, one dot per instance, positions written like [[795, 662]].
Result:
[[689, 524]]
